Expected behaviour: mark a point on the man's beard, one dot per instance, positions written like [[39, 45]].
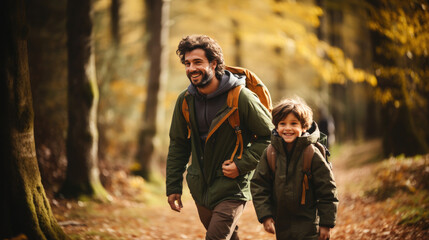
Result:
[[205, 80]]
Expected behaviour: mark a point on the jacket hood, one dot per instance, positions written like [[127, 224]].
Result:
[[227, 82], [309, 137]]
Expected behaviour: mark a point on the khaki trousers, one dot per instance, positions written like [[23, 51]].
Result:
[[221, 222]]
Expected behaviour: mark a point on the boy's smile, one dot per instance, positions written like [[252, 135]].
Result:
[[290, 128]]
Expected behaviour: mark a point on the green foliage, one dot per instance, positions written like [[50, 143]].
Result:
[[414, 209]]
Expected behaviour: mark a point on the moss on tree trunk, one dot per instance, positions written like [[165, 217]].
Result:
[[25, 208]]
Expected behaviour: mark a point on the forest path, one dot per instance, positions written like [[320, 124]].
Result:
[[129, 218]]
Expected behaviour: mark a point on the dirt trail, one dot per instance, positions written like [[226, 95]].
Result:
[[126, 218]]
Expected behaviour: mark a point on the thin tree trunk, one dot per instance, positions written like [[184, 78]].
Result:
[[280, 78], [237, 42], [25, 208], [114, 21], [157, 26], [82, 135]]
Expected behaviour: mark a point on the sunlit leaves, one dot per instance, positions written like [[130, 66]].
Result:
[[267, 24], [406, 24]]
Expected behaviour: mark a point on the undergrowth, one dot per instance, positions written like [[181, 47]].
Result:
[[405, 181]]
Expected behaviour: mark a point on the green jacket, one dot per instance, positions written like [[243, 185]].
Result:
[[279, 195], [207, 183]]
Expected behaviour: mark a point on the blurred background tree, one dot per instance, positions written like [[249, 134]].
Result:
[[362, 65], [400, 36], [82, 175]]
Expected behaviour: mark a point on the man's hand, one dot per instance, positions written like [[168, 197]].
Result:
[[324, 233], [229, 169], [175, 201], [269, 225]]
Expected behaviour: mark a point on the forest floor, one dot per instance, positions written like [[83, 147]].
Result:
[[140, 211]]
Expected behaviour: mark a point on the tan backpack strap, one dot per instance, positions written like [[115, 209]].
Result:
[[234, 119], [185, 112], [271, 158], [220, 123], [306, 169], [321, 148]]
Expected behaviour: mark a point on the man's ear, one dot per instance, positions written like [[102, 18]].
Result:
[[214, 63]]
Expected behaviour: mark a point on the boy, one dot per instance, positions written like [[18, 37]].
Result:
[[277, 196]]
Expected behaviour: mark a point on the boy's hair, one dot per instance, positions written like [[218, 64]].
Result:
[[210, 46], [296, 106]]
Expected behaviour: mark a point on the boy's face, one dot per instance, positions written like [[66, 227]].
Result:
[[290, 128]]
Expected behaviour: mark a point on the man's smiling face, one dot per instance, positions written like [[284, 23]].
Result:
[[198, 69]]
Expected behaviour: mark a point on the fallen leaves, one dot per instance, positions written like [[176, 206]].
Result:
[[129, 216]]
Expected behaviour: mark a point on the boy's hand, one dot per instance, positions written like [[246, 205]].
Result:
[[175, 201], [269, 225], [324, 233], [229, 169]]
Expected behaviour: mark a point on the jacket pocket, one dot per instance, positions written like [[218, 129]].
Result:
[[195, 184]]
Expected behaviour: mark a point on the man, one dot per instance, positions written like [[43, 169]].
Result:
[[220, 188]]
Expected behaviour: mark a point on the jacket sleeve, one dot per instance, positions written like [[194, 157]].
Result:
[[256, 119], [261, 187], [179, 150], [325, 190]]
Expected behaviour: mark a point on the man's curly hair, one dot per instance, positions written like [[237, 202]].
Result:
[[210, 46], [295, 106]]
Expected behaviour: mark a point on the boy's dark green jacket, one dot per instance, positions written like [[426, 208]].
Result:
[[205, 179], [279, 195]]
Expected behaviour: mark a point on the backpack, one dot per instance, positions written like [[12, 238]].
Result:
[[308, 154], [254, 84]]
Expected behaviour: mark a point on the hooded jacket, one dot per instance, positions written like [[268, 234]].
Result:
[[278, 195], [205, 179]]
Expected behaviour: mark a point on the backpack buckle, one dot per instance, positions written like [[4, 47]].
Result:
[[237, 130], [308, 173]]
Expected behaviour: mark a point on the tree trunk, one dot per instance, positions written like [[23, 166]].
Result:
[[156, 23], [279, 72], [237, 43], [404, 126], [25, 208], [82, 136], [47, 59], [114, 21]]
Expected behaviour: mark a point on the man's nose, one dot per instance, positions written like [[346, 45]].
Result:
[[191, 67]]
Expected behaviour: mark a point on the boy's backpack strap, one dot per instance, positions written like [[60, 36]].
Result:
[[271, 158], [321, 148], [306, 169], [185, 112], [234, 119]]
